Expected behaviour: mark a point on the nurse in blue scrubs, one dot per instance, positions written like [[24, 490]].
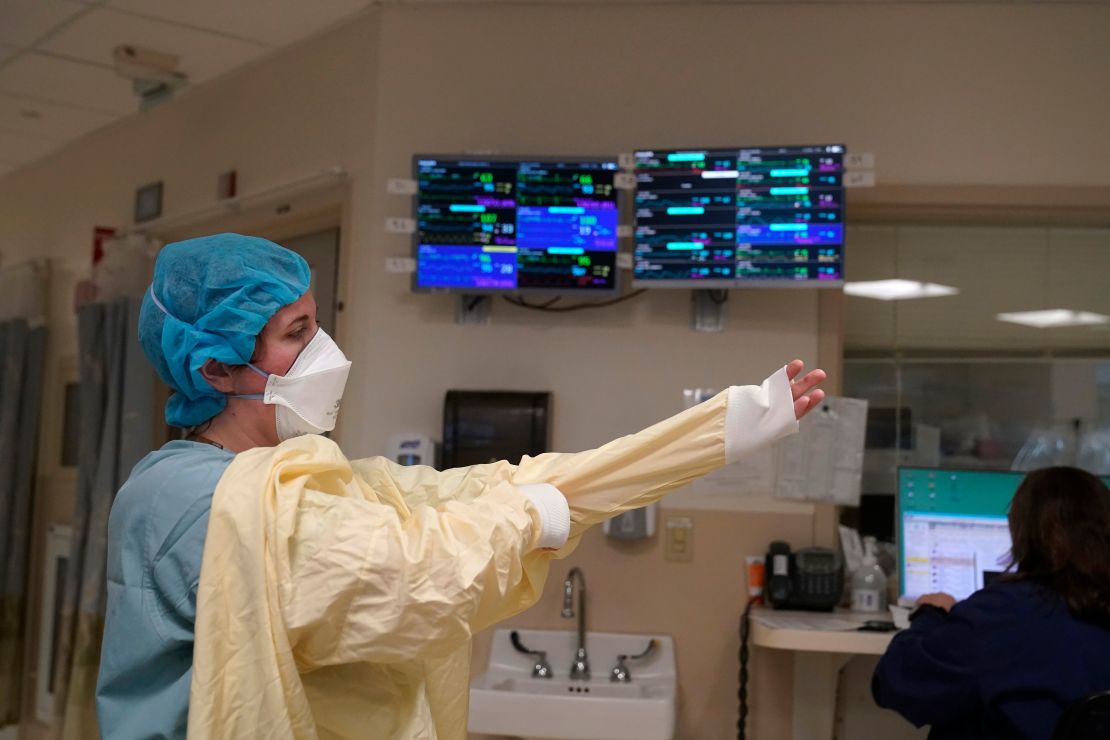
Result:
[[1006, 662], [217, 301], [229, 321]]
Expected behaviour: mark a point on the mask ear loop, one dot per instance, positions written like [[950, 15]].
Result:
[[252, 396]]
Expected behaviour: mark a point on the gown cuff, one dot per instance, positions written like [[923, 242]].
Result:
[[554, 513], [756, 416]]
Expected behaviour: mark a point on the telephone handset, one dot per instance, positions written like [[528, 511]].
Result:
[[811, 579]]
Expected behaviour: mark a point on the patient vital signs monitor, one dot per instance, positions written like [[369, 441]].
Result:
[[744, 217], [953, 533], [495, 224]]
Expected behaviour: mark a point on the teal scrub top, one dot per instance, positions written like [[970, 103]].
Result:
[[156, 534]]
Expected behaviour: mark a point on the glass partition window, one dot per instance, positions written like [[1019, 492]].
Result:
[[1008, 371]]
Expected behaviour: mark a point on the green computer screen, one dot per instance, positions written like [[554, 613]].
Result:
[[953, 535]]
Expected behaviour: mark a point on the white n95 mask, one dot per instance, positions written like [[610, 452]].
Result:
[[308, 395]]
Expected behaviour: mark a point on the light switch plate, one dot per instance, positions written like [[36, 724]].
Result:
[[678, 546]]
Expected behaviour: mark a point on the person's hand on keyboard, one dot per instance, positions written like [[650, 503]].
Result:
[[940, 600]]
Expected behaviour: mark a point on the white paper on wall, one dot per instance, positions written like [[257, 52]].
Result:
[[746, 485], [823, 462], [754, 476]]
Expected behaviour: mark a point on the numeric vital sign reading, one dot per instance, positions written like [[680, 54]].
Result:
[[497, 224], [720, 218]]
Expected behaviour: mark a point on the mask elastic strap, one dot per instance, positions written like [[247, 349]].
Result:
[[252, 396], [158, 303], [263, 373]]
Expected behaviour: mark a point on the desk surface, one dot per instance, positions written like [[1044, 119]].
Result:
[[823, 632]]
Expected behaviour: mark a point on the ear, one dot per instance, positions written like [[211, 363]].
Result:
[[219, 375]]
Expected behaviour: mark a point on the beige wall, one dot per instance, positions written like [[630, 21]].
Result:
[[942, 94]]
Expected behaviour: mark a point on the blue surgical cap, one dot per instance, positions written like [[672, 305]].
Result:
[[209, 301]]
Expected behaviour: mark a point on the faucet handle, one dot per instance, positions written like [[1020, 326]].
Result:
[[541, 668], [620, 672]]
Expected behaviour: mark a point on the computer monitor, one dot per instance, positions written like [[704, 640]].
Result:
[[953, 534], [515, 224], [743, 217]]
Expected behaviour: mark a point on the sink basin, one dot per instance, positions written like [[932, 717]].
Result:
[[506, 700]]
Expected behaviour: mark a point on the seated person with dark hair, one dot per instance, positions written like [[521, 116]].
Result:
[[1007, 661]]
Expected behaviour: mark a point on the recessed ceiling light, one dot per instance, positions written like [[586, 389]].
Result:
[[898, 290], [1053, 317]]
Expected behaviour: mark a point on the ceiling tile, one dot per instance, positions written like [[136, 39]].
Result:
[[15, 149], [65, 87], [26, 21], [48, 120], [275, 22], [203, 55], [68, 83]]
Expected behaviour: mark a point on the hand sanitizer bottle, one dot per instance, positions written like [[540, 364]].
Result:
[[869, 582]]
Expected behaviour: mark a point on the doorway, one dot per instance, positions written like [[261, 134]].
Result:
[[321, 250]]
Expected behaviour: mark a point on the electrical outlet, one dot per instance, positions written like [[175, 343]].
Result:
[[678, 546]]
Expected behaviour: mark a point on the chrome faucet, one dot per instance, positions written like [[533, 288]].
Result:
[[580, 669]]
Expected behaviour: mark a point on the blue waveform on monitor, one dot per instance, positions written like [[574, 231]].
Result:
[[574, 227], [465, 267], [774, 234]]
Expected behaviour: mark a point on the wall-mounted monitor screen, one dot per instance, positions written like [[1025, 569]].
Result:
[[745, 217], [515, 224]]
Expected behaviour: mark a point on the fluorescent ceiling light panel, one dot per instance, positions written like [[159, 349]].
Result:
[[898, 290], [1053, 317]]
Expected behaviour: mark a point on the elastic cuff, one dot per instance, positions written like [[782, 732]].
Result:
[[758, 415], [554, 514]]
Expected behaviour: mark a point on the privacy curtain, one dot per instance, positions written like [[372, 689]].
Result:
[[116, 427], [22, 352]]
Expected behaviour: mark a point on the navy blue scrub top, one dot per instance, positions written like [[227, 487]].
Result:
[[1002, 664]]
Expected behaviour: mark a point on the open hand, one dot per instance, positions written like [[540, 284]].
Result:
[[807, 396]]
